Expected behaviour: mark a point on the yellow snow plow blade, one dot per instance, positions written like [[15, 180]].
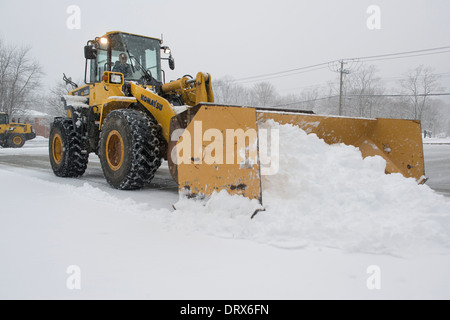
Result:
[[217, 151], [219, 147]]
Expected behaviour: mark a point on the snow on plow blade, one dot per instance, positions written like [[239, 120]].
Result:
[[398, 141], [216, 147]]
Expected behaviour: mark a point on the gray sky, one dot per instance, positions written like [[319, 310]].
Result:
[[238, 38]]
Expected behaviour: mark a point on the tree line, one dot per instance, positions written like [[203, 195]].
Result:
[[20, 79], [415, 97], [364, 94]]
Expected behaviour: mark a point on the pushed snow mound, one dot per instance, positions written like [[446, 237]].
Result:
[[328, 196]]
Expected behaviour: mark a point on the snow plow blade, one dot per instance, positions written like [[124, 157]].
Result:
[[217, 146], [218, 150]]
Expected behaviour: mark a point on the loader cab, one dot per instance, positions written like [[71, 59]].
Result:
[[143, 55], [4, 118]]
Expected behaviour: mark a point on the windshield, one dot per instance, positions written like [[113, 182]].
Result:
[[4, 119], [132, 54]]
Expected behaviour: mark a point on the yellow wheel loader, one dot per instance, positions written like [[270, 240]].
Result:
[[14, 135], [132, 119]]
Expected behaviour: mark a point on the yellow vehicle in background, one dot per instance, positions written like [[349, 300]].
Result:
[[14, 135]]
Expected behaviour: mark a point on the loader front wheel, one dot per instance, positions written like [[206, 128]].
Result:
[[16, 140], [129, 149], [67, 158]]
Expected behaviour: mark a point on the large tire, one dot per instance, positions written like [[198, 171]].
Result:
[[16, 140], [130, 151], [67, 158]]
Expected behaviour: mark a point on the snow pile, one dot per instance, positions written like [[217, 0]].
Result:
[[328, 196], [180, 109], [76, 101], [222, 215]]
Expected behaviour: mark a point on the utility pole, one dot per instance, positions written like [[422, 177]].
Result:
[[338, 66], [342, 71]]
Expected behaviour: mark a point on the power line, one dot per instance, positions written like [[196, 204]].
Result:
[[384, 79], [399, 95], [409, 56], [389, 56], [240, 81], [362, 95], [286, 71], [442, 74], [305, 101], [401, 53], [281, 76]]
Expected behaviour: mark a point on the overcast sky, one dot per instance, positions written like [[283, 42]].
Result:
[[238, 38]]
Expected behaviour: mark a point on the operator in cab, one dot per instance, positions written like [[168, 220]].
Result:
[[122, 66]]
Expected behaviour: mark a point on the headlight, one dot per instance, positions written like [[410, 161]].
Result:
[[115, 78]]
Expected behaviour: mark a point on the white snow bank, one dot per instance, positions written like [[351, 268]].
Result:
[[322, 196], [118, 241], [34, 113], [38, 145], [328, 196], [436, 140]]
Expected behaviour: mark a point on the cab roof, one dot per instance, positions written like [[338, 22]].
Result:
[[133, 34]]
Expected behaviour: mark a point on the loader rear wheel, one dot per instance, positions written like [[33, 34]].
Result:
[[67, 158], [129, 149], [16, 140]]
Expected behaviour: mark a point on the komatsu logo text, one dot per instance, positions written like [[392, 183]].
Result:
[[153, 103]]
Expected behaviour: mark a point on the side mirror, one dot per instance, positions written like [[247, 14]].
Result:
[[171, 63], [90, 52]]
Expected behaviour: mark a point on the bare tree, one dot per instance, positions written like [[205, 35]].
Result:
[[309, 99], [52, 100], [264, 94], [437, 118], [329, 105], [227, 91], [6, 58], [223, 89], [19, 78], [364, 87], [420, 83]]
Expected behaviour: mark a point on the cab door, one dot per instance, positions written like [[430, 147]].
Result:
[[4, 123]]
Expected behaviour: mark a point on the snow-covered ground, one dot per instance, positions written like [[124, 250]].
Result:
[[436, 140], [335, 227]]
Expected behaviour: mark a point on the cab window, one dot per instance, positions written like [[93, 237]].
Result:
[[4, 119]]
